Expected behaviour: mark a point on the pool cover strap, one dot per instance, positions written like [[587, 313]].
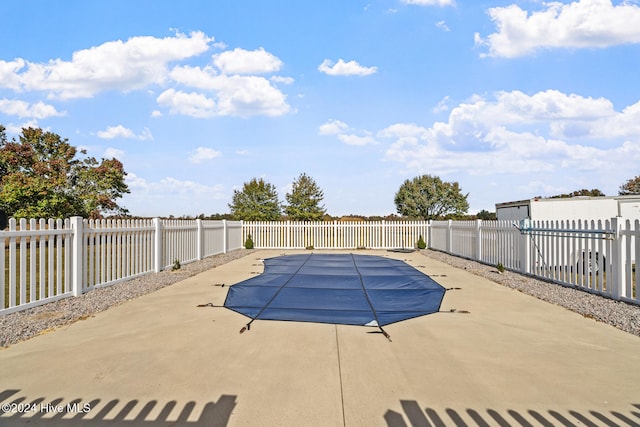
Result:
[[247, 327], [366, 295]]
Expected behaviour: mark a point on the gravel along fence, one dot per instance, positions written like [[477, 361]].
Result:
[[16, 327], [619, 314]]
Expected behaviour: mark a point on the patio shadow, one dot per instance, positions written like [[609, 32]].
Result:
[[415, 416], [21, 411]]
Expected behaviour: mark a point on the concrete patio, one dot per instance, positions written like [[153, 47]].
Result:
[[501, 358]]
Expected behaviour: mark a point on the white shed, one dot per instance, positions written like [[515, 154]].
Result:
[[573, 208], [586, 253]]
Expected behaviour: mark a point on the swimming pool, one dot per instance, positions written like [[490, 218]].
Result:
[[349, 289]]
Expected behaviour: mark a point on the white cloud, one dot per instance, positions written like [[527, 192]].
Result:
[[430, 2], [580, 24], [345, 134], [197, 77], [333, 127], [39, 110], [516, 133], [404, 131], [236, 95], [227, 87], [115, 65], [282, 79], [240, 61], [550, 110], [16, 129], [342, 68], [171, 196], [248, 96], [9, 73], [202, 154], [351, 139], [443, 26], [169, 187], [189, 104], [225, 95], [443, 105], [113, 152], [624, 124], [120, 131], [115, 132]]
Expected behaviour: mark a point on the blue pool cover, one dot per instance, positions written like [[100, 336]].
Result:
[[336, 288]]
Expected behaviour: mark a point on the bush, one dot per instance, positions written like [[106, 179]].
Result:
[[176, 265], [421, 243], [248, 244], [500, 267]]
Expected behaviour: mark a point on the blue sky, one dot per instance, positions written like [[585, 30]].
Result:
[[512, 99]]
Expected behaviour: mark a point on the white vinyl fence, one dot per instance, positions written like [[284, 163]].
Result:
[[47, 260], [44, 261], [335, 234], [596, 256]]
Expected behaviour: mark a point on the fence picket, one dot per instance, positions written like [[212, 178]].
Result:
[[12, 264]]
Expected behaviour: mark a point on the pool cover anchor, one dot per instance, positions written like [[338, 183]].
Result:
[[382, 331]]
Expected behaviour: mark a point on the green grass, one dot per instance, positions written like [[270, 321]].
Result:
[[49, 274], [98, 272]]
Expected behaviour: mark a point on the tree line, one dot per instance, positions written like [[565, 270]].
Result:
[[43, 176], [424, 197]]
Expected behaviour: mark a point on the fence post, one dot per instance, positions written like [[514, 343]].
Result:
[[225, 240], [199, 239], [478, 248], [77, 255], [618, 260], [157, 245], [449, 236], [525, 252]]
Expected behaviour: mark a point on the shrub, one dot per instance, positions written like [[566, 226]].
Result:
[[176, 265], [248, 244], [421, 243], [500, 267]]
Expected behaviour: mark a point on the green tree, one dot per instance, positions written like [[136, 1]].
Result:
[[632, 186], [429, 197], [584, 192], [486, 215], [257, 201], [41, 177], [304, 200]]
